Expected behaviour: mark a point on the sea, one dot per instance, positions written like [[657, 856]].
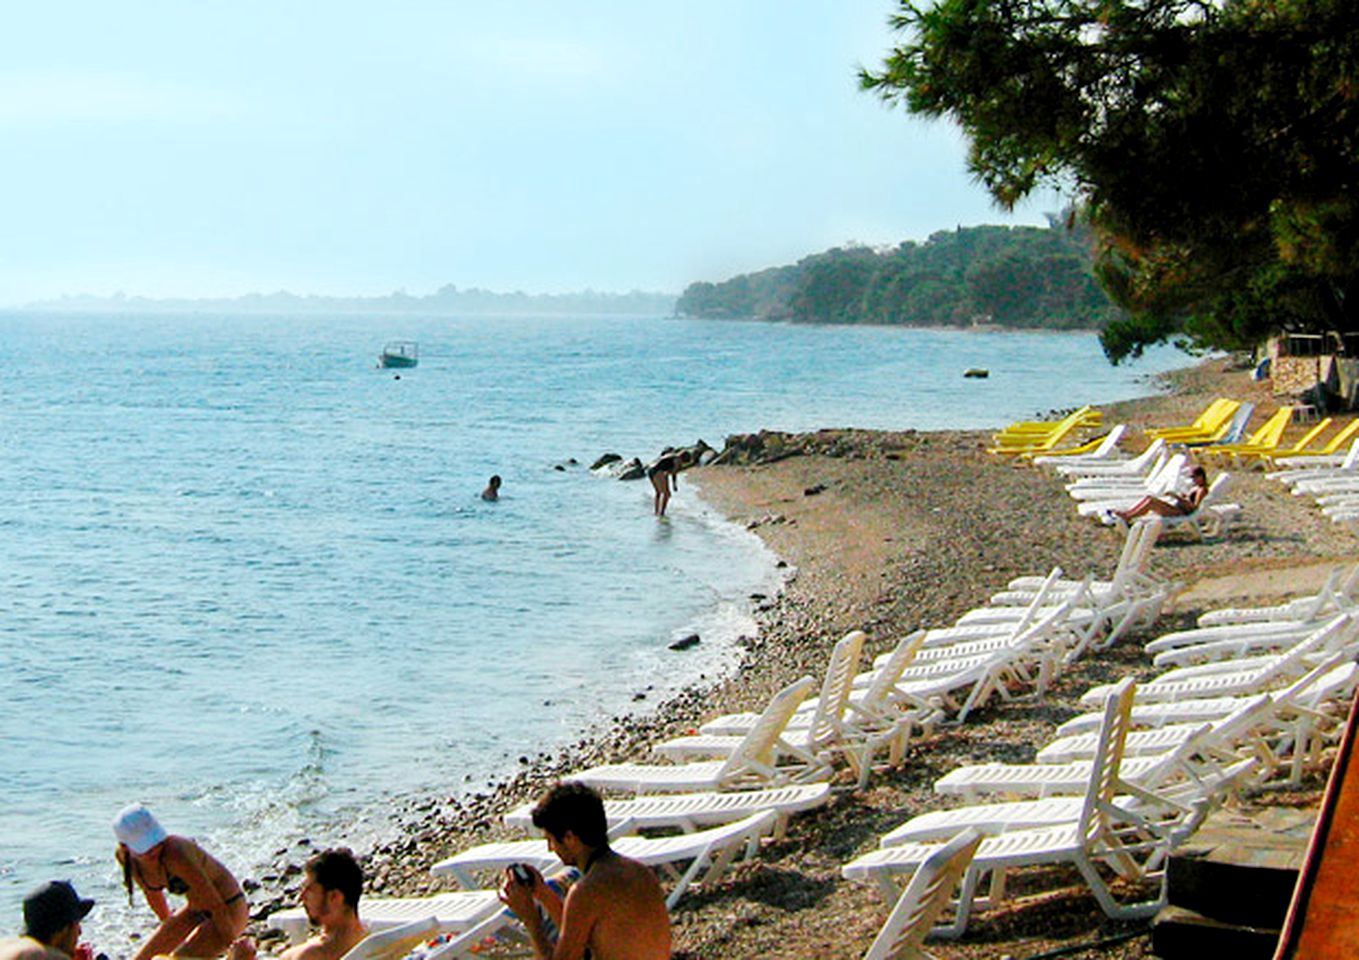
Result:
[[246, 576]]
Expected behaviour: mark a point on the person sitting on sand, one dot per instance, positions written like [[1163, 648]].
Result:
[[52, 915], [216, 911], [330, 896], [492, 491], [616, 911], [663, 476], [1174, 504]]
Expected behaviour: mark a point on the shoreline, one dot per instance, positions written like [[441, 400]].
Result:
[[893, 540]]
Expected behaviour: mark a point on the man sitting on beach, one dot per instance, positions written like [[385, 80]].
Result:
[[52, 915], [616, 910], [330, 896]]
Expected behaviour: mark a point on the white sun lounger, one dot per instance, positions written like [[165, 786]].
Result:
[[1133, 843], [1105, 453], [695, 811], [708, 852], [1336, 595], [395, 942], [1217, 680], [824, 724], [1332, 680], [450, 911], [1144, 464], [859, 737], [755, 764], [924, 899], [867, 701], [1167, 476], [1129, 577], [1317, 467]]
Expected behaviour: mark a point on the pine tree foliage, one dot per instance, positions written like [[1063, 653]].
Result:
[[1213, 145]]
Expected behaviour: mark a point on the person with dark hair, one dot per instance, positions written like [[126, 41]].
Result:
[[492, 491], [52, 915], [332, 885], [215, 912], [616, 911], [663, 476], [1171, 505]]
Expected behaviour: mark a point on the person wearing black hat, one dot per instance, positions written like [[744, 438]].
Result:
[[52, 915]]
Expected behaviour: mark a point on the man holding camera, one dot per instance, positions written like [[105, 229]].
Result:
[[616, 910], [52, 915]]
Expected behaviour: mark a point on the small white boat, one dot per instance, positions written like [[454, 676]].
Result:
[[399, 353]]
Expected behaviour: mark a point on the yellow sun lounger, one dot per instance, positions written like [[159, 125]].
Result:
[[1042, 443], [1024, 432], [1250, 456], [1264, 440], [1213, 418], [1331, 448]]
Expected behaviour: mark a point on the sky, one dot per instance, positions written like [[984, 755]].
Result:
[[219, 148]]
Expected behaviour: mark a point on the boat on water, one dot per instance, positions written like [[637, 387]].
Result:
[[399, 353]]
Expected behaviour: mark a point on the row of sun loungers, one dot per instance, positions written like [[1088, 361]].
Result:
[[1249, 697], [1216, 436], [1120, 787]]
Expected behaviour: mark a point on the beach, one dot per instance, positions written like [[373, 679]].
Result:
[[886, 532]]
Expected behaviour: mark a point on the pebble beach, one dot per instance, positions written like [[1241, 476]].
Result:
[[886, 532]]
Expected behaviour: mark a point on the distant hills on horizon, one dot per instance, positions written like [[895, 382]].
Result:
[[1009, 277], [448, 299], [1015, 277]]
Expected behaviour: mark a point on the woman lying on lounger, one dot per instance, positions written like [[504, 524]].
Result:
[[1174, 505]]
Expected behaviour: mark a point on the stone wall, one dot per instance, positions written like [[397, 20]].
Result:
[[1294, 375]]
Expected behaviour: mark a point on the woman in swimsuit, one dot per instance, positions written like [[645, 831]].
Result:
[[662, 475], [1176, 505], [215, 913]]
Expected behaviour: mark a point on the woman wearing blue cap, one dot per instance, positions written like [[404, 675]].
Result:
[[215, 913]]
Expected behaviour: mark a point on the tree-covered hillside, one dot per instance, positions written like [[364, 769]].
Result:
[[1024, 277]]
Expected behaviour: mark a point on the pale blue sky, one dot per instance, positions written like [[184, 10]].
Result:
[[216, 148]]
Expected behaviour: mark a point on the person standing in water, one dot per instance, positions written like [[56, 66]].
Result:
[[215, 912], [663, 474], [492, 491]]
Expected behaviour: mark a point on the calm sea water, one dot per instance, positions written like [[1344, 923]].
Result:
[[246, 577]]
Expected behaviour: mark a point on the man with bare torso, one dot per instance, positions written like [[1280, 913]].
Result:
[[615, 912], [52, 916], [330, 896]]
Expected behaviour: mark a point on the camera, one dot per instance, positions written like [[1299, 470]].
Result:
[[521, 873]]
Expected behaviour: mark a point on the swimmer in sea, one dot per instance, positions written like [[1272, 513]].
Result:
[[492, 491]]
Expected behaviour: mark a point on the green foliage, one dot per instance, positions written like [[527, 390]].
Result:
[[1212, 144], [1012, 277]]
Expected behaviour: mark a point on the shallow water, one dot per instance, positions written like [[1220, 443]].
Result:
[[247, 577]]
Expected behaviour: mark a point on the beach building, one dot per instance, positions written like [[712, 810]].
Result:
[[1320, 369]]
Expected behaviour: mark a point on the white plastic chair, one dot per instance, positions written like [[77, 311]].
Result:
[[708, 852], [924, 899]]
